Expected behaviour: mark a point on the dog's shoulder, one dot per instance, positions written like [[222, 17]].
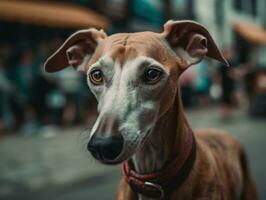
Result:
[[219, 156], [217, 138], [221, 144]]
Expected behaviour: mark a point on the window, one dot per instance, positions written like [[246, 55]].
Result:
[[254, 7], [238, 5], [247, 6], [219, 8]]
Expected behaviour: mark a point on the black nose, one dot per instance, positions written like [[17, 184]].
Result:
[[105, 148]]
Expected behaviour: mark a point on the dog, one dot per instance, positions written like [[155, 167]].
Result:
[[141, 121]]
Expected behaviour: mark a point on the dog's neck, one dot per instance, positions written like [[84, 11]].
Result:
[[165, 142]]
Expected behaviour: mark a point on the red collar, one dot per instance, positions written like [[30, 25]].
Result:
[[161, 183]]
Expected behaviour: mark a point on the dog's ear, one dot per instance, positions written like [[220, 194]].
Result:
[[75, 51], [191, 42]]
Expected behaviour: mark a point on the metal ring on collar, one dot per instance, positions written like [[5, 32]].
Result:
[[156, 186]]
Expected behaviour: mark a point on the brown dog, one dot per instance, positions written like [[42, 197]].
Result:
[[141, 122]]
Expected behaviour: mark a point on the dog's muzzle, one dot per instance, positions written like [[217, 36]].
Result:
[[106, 149]]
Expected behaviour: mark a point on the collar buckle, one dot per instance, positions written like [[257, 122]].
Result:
[[157, 187]]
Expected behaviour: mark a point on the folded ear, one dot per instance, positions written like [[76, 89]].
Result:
[[191, 42], [75, 51]]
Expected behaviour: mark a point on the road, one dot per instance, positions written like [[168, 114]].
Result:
[[59, 168]]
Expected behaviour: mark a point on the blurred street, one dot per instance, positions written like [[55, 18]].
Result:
[[57, 167]]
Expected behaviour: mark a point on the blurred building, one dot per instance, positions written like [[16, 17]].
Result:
[[239, 24], [239, 27]]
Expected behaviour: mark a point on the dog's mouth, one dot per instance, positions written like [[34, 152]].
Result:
[[111, 162]]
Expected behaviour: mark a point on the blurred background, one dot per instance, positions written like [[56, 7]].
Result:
[[43, 116]]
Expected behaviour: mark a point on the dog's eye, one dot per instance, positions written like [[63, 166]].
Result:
[[96, 77], [152, 76]]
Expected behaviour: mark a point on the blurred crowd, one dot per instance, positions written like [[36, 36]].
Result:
[[209, 83], [31, 98]]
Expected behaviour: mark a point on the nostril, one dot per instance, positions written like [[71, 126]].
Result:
[[105, 148], [92, 148], [113, 147]]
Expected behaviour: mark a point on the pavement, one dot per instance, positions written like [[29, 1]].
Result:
[[56, 166]]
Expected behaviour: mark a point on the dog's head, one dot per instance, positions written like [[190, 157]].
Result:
[[134, 77]]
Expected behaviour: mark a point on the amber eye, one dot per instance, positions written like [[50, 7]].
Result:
[[96, 77], [152, 76]]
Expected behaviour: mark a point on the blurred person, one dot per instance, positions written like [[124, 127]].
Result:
[[70, 83], [215, 88], [22, 75], [195, 84], [228, 85], [41, 86], [202, 83], [187, 81], [5, 90], [46, 101], [6, 87]]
